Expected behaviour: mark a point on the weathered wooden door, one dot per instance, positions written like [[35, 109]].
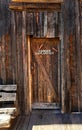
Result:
[[44, 68]]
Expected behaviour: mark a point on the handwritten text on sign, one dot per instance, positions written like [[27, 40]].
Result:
[[44, 52]]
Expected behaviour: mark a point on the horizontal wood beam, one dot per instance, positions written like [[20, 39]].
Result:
[[39, 1], [8, 87], [46, 106], [37, 40], [35, 7]]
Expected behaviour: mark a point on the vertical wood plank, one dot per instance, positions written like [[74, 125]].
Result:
[[8, 61], [45, 90], [41, 24], [63, 78], [24, 50], [37, 24], [45, 24], [34, 79], [59, 70], [67, 58], [3, 65], [13, 40], [78, 45], [19, 62], [34, 24], [59, 54], [49, 72], [81, 45], [0, 60], [40, 75], [50, 24], [29, 73]]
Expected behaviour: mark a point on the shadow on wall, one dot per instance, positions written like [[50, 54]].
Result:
[[8, 81], [49, 120], [4, 16]]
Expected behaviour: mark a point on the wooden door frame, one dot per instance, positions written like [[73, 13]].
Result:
[[29, 68]]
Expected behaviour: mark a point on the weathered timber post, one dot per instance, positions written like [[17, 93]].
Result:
[[72, 59], [63, 77], [3, 56], [24, 50], [78, 51], [69, 27], [13, 41]]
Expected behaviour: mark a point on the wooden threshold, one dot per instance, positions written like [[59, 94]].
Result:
[[46, 106]]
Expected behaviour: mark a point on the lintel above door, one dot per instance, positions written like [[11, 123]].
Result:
[[39, 1], [36, 5]]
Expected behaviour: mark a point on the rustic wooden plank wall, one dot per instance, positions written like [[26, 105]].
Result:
[[40, 25]]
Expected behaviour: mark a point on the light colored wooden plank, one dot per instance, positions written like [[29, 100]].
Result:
[[5, 120], [46, 106], [9, 111], [57, 127], [7, 97], [29, 72], [8, 92], [8, 87]]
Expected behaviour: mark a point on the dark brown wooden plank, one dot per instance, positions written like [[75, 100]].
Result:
[[40, 84], [19, 60], [8, 59], [0, 60], [81, 41], [13, 41], [34, 79], [78, 45], [59, 71], [31, 7], [15, 123], [25, 61], [3, 65]]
